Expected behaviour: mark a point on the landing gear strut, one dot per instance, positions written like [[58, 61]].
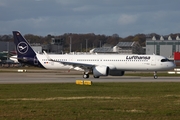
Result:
[[155, 75]]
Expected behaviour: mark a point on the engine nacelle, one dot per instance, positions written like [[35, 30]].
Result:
[[116, 72], [100, 71]]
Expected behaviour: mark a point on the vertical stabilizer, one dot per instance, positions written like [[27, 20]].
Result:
[[22, 46], [25, 54]]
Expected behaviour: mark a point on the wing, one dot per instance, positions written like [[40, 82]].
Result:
[[74, 65], [78, 65]]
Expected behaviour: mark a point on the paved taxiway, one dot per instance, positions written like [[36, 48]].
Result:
[[14, 78]]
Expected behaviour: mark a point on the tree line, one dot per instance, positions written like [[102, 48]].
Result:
[[79, 42]]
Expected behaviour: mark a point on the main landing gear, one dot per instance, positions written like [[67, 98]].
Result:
[[85, 75], [155, 75]]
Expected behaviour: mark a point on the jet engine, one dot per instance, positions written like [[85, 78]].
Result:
[[100, 71]]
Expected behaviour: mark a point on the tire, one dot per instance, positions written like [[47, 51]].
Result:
[[86, 76], [155, 77]]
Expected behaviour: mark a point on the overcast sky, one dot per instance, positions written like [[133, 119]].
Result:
[[122, 17]]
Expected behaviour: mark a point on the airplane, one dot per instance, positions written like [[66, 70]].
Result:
[[97, 64], [14, 59]]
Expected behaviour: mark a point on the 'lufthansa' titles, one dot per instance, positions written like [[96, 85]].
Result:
[[138, 57]]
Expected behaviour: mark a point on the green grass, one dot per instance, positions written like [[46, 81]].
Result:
[[112, 101]]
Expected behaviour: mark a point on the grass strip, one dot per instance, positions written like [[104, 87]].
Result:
[[68, 101]]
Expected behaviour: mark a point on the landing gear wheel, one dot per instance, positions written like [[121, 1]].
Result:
[[86, 76], [155, 77]]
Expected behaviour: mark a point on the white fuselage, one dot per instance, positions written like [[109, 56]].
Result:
[[114, 62]]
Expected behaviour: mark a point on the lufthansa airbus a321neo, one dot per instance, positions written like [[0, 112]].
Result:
[[97, 64]]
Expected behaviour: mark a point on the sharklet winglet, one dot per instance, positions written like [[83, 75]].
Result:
[[47, 56]]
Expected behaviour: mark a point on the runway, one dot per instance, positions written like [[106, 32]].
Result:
[[16, 78]]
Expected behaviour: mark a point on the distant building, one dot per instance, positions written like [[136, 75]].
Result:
[[56, 46], [129, 48], [106, 48], [121, 48], [7, 46], [165, 46], [36, 47]]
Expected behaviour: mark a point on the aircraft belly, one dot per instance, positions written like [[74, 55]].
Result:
[[134, 66]]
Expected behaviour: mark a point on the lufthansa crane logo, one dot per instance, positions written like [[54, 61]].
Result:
[[22, 47]]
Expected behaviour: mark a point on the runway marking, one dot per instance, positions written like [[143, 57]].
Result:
[[127, 111], [70, 98], [134, 111], [173, 95]]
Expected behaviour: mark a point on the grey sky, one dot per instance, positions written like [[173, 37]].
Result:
[[123, 17]]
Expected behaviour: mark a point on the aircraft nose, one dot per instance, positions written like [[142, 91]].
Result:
[[173, 65], [170, 65]]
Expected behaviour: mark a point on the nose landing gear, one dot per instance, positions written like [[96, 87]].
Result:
[[155, 75]]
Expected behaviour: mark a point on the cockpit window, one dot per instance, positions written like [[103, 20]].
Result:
[[165, 60]]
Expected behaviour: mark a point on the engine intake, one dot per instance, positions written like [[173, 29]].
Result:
[[100, 71]]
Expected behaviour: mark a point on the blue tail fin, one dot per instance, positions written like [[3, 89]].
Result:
[[22, 46], [25, 53]]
